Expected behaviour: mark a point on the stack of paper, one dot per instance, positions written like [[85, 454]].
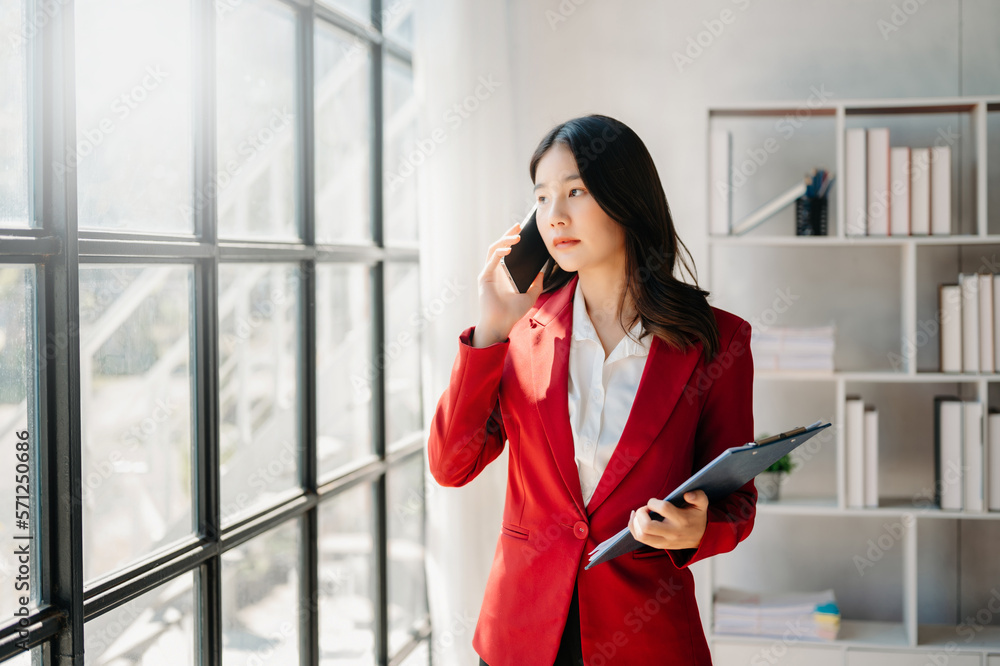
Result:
[[809, 348], [806, 614]]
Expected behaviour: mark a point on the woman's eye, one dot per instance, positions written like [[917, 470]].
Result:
[[541, 199]]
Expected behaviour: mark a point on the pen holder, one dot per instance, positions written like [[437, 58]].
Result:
[[810, 216]]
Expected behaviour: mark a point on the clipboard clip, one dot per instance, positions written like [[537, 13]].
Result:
[[782, 435]]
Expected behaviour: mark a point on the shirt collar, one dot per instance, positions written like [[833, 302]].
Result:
[[583, 328]]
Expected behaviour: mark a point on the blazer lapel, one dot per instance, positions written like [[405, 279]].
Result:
[[551, 326], [663, 380]]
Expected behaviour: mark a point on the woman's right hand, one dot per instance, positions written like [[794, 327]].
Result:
[[500, 304]]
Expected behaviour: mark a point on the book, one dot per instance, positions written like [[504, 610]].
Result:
[[950, 307], [871, 456], [878, 181], [854, 431], [920, 191], [992, 462], [948, 421], [972, 465], [969, 282], [941, 190], [996, 323], [720, 154], [985, 322], [856, 186], [755, 218], [899, 192]]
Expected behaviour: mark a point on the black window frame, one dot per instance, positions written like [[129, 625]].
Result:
[[57, 248]]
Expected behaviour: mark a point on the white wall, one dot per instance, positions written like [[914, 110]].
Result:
[[557, 60]]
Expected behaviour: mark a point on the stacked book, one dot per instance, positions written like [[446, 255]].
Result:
[[807, 614], [788, 348], [970, 329], [861, 447], [898, 191], [967, 463]]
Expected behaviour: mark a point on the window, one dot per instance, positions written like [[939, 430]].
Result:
[[209, 349]]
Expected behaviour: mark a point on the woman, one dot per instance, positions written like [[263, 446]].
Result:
[[601, 423]]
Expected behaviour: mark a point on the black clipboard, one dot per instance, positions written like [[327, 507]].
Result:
[[730, 470]]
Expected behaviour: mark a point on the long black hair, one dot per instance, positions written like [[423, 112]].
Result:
[[619, 173]]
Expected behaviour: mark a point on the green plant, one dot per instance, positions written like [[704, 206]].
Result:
[[784, 464]]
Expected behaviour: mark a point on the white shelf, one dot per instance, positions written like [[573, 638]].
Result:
[[868, 634], [857, 106], [851, 241], [938, 636], [886, 508], [910, 253], [874, 376], [853, 633]]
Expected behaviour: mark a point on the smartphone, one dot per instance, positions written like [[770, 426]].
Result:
[[527, 256]]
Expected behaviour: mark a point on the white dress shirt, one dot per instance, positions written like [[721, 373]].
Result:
[[601, 392]]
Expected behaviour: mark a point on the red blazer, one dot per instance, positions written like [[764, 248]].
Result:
[[638, 608]]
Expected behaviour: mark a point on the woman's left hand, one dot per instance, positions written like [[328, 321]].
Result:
[[680, 528]]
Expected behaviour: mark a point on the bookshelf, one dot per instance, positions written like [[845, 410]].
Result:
[[930, 591]]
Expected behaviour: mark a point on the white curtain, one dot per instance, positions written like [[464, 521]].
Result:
[[471, 188]]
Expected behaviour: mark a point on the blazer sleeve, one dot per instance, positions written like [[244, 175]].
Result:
[[467, 432], [726, 420]]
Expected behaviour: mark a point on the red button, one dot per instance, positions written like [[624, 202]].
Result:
[[580, 529]]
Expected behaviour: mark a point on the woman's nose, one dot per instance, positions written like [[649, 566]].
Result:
[[557, 214]]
